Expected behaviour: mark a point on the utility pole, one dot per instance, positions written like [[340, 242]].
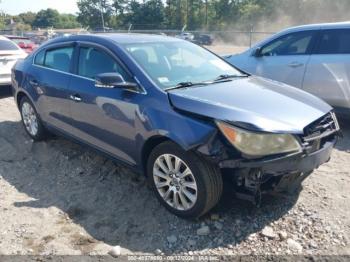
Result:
[[206, 14], [102, 18]]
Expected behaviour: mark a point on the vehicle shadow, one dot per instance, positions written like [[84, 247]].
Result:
[[5, 91], [344, 142], [113, 204]]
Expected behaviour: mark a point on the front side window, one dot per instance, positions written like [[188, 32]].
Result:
[[291, 44], [334, 42], [59, 58], [169, 63], [93, 62]]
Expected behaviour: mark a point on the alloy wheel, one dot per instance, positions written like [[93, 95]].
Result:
[[175, 182], [30, 119]]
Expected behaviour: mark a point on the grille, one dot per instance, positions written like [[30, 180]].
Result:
[[323, 127]]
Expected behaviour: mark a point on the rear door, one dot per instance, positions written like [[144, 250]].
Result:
[[328, 72], [284, 59], [49, 77]]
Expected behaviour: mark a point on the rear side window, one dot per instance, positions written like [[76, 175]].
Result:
[[93, 62], [8, 45], [58, 58], [292, 44], [39, 58], [334, 42]]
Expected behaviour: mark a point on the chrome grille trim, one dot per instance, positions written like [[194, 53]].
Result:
[[323, 127]]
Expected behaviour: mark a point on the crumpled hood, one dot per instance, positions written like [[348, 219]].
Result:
[[252, 102]]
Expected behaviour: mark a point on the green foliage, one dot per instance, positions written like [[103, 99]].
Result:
[[67, 21], [26, 18], [194, 14], [47, 18], [43, 19], [172, 14], [90, 13], [147, 15]]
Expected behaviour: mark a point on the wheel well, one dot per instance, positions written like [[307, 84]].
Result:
[[148, 147], [20, 95]]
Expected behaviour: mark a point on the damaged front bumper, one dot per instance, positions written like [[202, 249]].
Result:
[[252, 178], [301, 162]]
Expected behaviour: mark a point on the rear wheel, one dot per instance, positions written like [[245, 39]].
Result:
[[31, 121], [184, 183]]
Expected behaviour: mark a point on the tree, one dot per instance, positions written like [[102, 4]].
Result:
[[90, 13], [147, 15], [27, 18], [47, 18], [4, 18], [68, 21]]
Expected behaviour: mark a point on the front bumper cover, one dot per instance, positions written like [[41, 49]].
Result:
[[300, 162]]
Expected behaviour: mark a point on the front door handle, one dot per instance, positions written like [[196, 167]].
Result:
[[75, 98], [33, 83], [295, 64]]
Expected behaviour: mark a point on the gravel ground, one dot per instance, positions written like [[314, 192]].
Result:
[[59, 198]]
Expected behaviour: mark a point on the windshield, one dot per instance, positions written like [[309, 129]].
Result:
[[171, 63]]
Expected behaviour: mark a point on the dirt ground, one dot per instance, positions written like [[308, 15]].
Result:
[[226, 49], [60, 198]]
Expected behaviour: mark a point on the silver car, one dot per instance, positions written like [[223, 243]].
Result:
[[315, 58], [9, 54]]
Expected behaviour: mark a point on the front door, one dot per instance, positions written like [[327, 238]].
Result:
[[285, 58], [103, 117]]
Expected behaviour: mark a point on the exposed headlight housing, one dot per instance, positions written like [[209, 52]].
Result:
[[259, 144]]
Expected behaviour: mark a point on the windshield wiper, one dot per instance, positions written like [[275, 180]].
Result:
[[186, 84], [227, 77]]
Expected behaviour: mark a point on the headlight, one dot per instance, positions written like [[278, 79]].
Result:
[[259, 144]]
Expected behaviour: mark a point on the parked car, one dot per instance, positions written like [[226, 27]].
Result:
[[186, 36], [314, 58], [177, 113], [9, 54], [23, 42], [203, 39]]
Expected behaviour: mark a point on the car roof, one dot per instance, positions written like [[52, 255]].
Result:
[[300, 28], [4, 38], [119, 38], [338, 25], [16, 36]]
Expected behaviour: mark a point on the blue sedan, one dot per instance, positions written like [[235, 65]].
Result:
[[177, 113]]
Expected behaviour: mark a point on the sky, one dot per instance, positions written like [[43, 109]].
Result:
[[15, 7]]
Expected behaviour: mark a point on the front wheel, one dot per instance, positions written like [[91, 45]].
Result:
[[184, 183]]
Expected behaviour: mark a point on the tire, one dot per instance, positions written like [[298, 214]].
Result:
[[34, 127], [192, 193]]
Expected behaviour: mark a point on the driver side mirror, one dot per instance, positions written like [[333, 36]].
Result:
[[257, 52], [113, 80]]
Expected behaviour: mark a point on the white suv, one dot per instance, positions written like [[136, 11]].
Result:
[[9, 54], [315, 58]]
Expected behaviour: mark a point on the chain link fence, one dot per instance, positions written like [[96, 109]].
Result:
[[224, 42]]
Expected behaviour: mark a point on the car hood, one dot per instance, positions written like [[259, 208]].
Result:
[[252, 102]]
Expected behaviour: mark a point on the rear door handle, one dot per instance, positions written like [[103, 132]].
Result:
[[75, 98], [295, 64]]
